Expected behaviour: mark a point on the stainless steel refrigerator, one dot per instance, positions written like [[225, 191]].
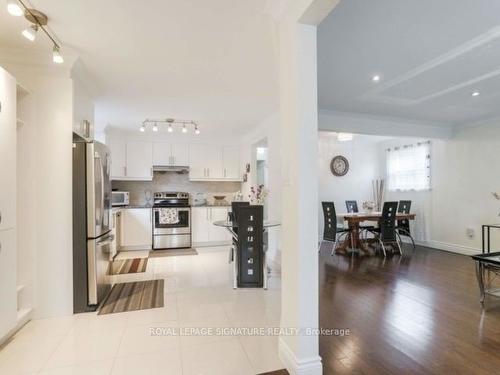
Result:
[[92, 237]]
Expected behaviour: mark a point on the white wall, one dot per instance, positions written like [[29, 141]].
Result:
[[364, 166], [464, 174], [49, 140]]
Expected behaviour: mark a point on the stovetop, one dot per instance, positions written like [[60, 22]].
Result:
[[171, 199]]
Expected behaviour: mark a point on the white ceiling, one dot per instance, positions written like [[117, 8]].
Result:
[[210, 61], [431, 55]]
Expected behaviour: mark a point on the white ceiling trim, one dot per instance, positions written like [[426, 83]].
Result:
[[377, 93], [377, 125]]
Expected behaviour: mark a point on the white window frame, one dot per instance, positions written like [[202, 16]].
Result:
[[408, 167]]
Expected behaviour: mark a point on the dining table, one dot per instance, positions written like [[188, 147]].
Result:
[[353, 240]]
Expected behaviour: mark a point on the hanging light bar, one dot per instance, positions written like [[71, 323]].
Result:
[[39, 20], [155, 125]]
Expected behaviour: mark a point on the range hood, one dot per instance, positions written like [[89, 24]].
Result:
[[169, 168]]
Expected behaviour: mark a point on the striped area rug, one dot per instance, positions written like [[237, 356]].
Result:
[[120, 267], [141, 295]]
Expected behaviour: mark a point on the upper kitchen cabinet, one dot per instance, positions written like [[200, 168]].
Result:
[[140, 160], [118, 150], [8, 111], [132, 160], [231, 163], [214, 163], [170, 154]]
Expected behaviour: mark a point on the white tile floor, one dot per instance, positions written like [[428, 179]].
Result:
[[198, 293]]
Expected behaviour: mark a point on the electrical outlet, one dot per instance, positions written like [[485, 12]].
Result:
[[470, 232]]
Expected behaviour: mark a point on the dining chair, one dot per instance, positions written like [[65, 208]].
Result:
[[352, 207], [232, 215], [403, 225], [251, 263], [386, 233], [331, 232]]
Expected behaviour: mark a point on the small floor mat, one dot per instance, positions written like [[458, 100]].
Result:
[[140, 295], [121, 267], [171, 253]]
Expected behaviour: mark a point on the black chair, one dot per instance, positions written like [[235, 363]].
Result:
[[403, 225], [352, 208], [250, 255], [386, 233], [232, 216], [331, 232]]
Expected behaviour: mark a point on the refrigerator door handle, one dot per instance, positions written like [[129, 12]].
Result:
[[106, 240]]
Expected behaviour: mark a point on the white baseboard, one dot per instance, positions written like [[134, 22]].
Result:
[[295, 366], [452, 248]]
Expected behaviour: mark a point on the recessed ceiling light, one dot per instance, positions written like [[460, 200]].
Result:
[[376, 78], [14, 8], [476, 93], [345, 137]]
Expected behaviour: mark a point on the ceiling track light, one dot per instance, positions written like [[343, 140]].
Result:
[[171, 122], [14, 8], [30, 33], [39, 20]]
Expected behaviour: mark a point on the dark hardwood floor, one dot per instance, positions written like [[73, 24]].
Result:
[[412, 314]]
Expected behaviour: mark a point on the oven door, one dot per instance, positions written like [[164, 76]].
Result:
[[182, 227]]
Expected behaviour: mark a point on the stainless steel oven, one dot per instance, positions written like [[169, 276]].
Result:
[[174, 233]]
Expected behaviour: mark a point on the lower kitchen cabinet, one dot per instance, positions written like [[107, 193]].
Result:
[[8, 282], [203, 230], [136, 229]]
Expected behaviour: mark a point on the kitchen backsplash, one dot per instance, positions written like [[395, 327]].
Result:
[[140, 190]]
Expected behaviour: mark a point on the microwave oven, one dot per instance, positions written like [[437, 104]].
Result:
[[120, 198]]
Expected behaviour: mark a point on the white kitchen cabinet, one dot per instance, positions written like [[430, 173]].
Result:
[[170, 154], [136, 229], [199, 224], [8, 282], [218, 234], [8, 113], [204, 232], [231, 162], [118, 149], [214, 163], [139, 160], [180, 154]]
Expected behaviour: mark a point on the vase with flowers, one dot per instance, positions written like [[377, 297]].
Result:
[[258, 194]]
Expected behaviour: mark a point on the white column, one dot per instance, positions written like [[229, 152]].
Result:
[[299, 133]]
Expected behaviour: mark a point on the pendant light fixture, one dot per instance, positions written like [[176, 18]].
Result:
[[38, 21]]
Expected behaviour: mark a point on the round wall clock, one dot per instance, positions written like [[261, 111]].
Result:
[[339, 166]]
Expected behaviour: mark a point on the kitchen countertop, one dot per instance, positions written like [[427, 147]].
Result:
[[213, 205], [131, 206]]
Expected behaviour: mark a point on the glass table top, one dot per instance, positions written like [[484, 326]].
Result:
[[230, 224]]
